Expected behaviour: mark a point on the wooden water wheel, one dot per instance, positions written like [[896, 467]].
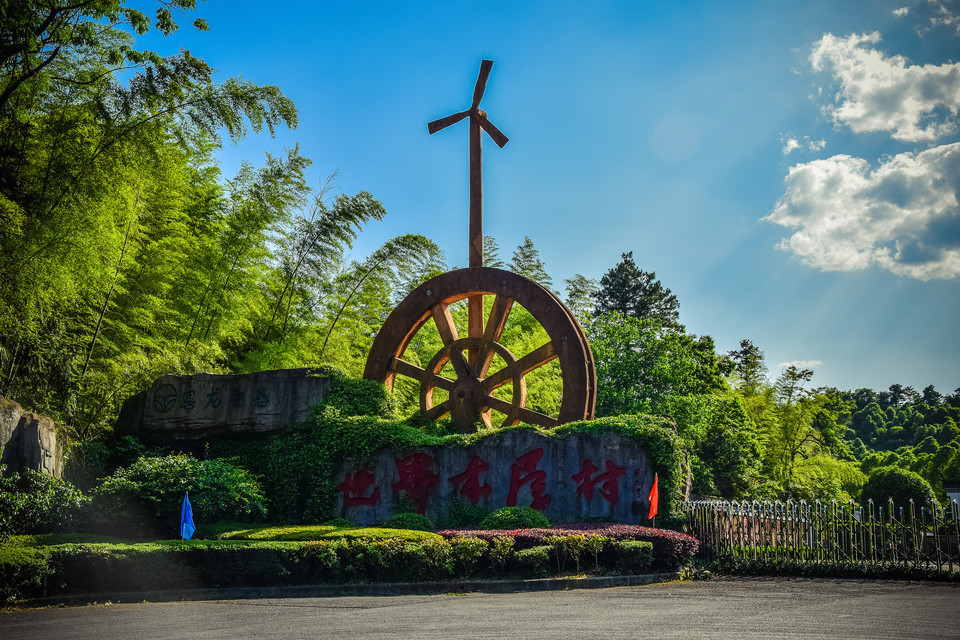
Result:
[[471, 378]]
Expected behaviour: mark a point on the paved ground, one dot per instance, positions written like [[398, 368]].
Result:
[[723, 608]]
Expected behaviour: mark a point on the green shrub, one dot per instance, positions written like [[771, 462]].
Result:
[[574, 546], [463, 515], [34, 502], [633, 555], [466, 554], [515, 518], [535, 561], [501, 550], [357, 397], [145, 498], [22, 571], [413, 521], [899, 484], [438, 555], [338, 522]]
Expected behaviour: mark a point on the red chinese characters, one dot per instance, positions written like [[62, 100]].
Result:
[[355, 485], [470, 479], [524, 471], [416, 478], [607, 481]]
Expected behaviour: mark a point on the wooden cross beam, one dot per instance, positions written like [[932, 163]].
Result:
[[478, 121]]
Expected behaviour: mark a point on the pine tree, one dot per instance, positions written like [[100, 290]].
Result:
[[527, 263], [636, 294]]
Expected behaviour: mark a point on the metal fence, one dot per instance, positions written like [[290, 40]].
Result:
[[827, 533]]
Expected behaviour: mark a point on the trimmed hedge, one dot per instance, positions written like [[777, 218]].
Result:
[[671, 549], [97, 568]]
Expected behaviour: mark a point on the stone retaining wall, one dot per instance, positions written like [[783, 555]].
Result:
[[578, 477]]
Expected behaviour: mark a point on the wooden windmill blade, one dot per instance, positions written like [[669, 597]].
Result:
[[481, 364]]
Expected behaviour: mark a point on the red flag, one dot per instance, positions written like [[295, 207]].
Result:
[[653, 498]]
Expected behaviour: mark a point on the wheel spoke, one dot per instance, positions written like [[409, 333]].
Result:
[[474, 326], [529, 416], [497, 404], [494, 329], [444, 322], [438, 411], [410, 370], [521, 367], [459, 363], [448, 333]]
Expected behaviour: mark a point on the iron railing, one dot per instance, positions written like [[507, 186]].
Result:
[[827, 533]]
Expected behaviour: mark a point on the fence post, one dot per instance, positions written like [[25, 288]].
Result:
[[955, 517]]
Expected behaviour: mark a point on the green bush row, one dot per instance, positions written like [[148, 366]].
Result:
[[103, 567]]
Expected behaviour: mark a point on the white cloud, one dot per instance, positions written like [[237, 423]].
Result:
[[791, 144], [801, 364], [903, 216], [944, 16], [883, 93], [902, 11]]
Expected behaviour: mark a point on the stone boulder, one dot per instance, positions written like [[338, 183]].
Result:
[[29, 441], [195, 407]]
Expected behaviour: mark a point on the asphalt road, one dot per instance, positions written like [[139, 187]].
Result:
[[722, 608]]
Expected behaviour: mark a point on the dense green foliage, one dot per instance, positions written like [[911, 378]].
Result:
[[146, 497], [356, 397], [126, 255], [515, 518], [904, 428], [33, 502], [900, 485]]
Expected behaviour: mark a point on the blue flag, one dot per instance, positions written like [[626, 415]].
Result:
[[186, 519]]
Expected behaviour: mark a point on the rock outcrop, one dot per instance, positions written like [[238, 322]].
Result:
[[29, 441], [194, 407]]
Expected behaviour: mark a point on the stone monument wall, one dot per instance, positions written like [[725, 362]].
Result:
[[569, 479], [29, 441], [193, 407]]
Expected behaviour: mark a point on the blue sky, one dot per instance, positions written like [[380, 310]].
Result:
[[791, 170]]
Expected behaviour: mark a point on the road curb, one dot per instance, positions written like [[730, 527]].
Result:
[[360, 589]]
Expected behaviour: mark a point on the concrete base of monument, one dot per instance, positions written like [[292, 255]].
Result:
[[358, 589]]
